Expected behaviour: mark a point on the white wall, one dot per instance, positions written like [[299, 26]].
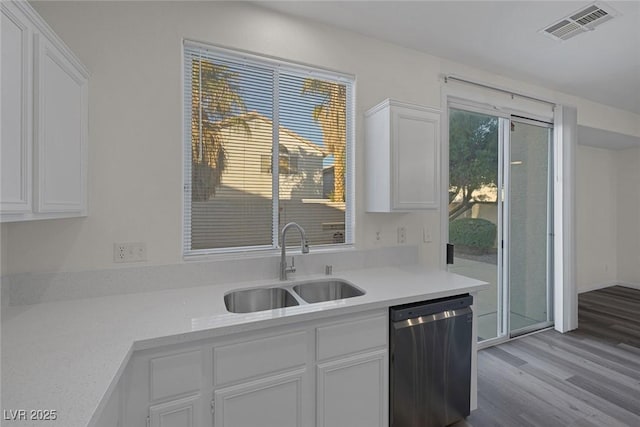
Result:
[[596, 216], [628, 216], [133, 51]]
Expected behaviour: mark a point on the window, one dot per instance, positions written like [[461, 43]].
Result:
[[239, 111], [288, 162]]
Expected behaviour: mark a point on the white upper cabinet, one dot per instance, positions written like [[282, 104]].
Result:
[[402, 157], [61, 121], [44, 121], [16, 147]]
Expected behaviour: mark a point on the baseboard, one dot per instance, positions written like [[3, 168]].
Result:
[[629, 285], [597, 286]]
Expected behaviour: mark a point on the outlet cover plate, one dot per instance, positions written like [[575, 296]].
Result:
[[129, 252]]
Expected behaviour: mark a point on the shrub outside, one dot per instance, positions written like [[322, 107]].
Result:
[[474, 235]]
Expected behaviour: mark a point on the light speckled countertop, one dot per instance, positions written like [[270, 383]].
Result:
[[67, 356]]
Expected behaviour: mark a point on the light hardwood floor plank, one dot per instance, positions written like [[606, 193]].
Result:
[[585, 378]]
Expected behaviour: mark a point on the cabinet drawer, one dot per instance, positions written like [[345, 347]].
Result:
[[255, 358], [350, 337], [175, 374]]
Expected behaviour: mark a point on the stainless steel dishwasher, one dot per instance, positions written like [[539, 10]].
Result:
[[430, 372]]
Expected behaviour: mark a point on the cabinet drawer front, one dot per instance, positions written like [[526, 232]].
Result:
[[351, 337], [175, 374], [256, 358]]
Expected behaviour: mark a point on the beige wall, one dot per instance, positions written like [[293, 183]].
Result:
[[596, 216], [133, 51], [628, 215]]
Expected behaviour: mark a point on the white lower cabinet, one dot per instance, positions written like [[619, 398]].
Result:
[[329, 373], [176, 413], [275, 401], [352, 391]]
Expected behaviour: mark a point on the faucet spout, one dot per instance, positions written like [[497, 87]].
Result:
[[304, 247]]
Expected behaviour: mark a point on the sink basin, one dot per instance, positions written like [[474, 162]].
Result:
[[326, 290], [258, 299]]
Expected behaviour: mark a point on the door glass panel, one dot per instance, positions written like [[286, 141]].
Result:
[[474, 207], [530, 231]]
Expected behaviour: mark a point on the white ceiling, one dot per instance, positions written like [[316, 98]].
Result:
[[502, 37]]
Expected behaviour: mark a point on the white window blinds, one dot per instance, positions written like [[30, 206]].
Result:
[[266, 143]]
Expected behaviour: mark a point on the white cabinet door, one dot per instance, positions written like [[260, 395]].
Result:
[[15, 150], [353, 391], [415, 165], [402, 157], [276, 401], [61, 131], [176, 413]]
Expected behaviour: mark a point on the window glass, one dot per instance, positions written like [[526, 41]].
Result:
[[238, 114]]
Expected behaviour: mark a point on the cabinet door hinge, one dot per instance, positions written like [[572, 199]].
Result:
[[213, 406], [148, 421]]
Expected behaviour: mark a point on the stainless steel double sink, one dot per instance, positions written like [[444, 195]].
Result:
[[306, 292]]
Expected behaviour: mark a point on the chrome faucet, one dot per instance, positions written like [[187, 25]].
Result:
[[304, 246]]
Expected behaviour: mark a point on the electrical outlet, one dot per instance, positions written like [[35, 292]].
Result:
[[129, 252], [119, 252], [426, 235], [402, 235]]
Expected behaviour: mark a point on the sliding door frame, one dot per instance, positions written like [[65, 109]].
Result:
[[505, 115], [548, 322], [502, 326]]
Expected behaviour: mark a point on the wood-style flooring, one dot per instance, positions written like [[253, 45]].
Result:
[[589, 377]]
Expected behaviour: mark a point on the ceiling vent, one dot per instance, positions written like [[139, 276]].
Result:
[[586, 19]]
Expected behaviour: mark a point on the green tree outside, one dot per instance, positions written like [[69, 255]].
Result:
[[473, 158], [331, 113], [215, 103]]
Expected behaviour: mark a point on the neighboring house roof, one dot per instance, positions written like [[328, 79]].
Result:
[[254, 115]]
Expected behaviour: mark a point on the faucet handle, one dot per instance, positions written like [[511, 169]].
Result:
[[291, 268]]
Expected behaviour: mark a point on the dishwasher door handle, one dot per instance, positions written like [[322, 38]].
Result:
[[432, 318]]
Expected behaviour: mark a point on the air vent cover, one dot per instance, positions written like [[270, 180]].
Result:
[[586, 19]]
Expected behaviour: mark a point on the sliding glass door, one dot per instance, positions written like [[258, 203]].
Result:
[[475, 209], [500, 217], [530, 207]]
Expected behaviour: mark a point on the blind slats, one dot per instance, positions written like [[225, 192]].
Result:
[[231, 108]]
